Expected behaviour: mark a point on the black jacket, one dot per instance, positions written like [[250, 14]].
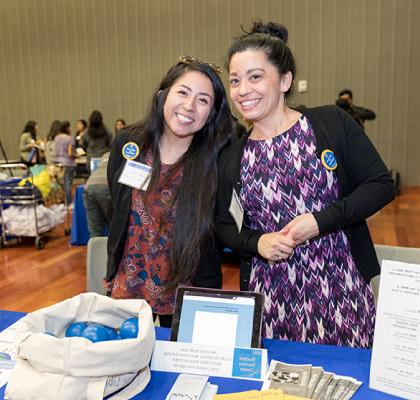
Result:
[[365, 186], [209, 273], [363, 113]]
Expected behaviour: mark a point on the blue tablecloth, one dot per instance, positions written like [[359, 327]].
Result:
[[79, 227], [79, 230], [340, 360]]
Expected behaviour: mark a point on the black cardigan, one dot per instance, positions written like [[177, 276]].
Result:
[[365, 186], [209, 273]]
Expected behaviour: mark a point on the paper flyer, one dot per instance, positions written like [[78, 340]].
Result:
[[395, 366]]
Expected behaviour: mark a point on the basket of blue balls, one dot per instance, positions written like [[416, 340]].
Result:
[[129, 329], [89, 346]]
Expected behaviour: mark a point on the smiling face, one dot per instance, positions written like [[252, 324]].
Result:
[[256, 87], [188, 105]]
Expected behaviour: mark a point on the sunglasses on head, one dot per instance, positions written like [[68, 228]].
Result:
[[193, 60]]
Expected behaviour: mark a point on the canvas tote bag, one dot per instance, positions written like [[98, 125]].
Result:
[[73, 368]]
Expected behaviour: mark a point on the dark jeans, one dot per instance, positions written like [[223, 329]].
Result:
[[98, 205], [68, 182]]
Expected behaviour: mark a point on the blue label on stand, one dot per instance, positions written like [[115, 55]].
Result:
[[247, 363]]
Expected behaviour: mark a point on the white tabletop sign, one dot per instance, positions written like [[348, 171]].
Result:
[[395, 366], [230, 362]]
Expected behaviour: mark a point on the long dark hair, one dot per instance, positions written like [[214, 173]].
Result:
[[54, 129], [65, 127], [271, 38], [195, 197], [96, 127], [30, 128]]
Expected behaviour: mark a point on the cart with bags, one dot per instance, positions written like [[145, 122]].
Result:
[[22, 207]]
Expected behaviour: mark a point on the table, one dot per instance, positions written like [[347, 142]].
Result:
[[79, 229], [340, 360]]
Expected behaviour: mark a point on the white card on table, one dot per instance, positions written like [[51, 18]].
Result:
[[135, 174], [187, 387]]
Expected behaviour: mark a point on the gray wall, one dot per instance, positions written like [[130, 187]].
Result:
[[63, 58]]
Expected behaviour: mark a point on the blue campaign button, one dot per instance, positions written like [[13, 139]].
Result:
[[328, 159], [130, 151]]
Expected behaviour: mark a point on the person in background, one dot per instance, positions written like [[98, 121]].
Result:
[[119, 124], [97, 199], [162, 236], [345, 105], [81, 129], [305, 182], [97, 141], [29, 144], [65, 154], [49, 142], [360, 113]]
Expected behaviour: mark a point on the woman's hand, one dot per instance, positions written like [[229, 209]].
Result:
[[275, 246], [302, 228]]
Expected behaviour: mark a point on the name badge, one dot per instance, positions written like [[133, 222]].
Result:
[[236, 210], [135, 175]]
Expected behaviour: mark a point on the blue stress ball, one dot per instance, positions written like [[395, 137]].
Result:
[[112, 333], [76, 329], [95, 333], [129, 329]]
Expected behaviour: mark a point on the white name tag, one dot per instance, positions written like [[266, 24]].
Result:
[[135, 175], [236, 210]]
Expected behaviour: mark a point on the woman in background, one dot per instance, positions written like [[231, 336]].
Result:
[[65, 154], [305, 183], [29, 144], [97, 141], [49, 143], [81, 129], [162, 236], [119, 124]]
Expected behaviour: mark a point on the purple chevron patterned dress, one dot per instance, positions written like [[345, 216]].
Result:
[[317, 295]]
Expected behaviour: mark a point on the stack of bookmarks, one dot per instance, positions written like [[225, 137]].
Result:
[[308, 382]]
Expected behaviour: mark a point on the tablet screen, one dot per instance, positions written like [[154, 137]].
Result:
[[215, 317]]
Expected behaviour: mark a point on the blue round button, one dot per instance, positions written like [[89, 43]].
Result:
[[130, 151], [328, 160]]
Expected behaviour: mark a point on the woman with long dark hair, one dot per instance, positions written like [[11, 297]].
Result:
[[65, 154], [162, 236], [305, 183], [97, 141], [29, 143], [49, 142]]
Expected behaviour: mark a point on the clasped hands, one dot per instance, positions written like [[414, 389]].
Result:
[[280, 245]]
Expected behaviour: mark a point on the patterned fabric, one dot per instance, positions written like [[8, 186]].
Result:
[[317, 295], [145, 265]]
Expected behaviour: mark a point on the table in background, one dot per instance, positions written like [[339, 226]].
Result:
[[79, 229], [340, 360]]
